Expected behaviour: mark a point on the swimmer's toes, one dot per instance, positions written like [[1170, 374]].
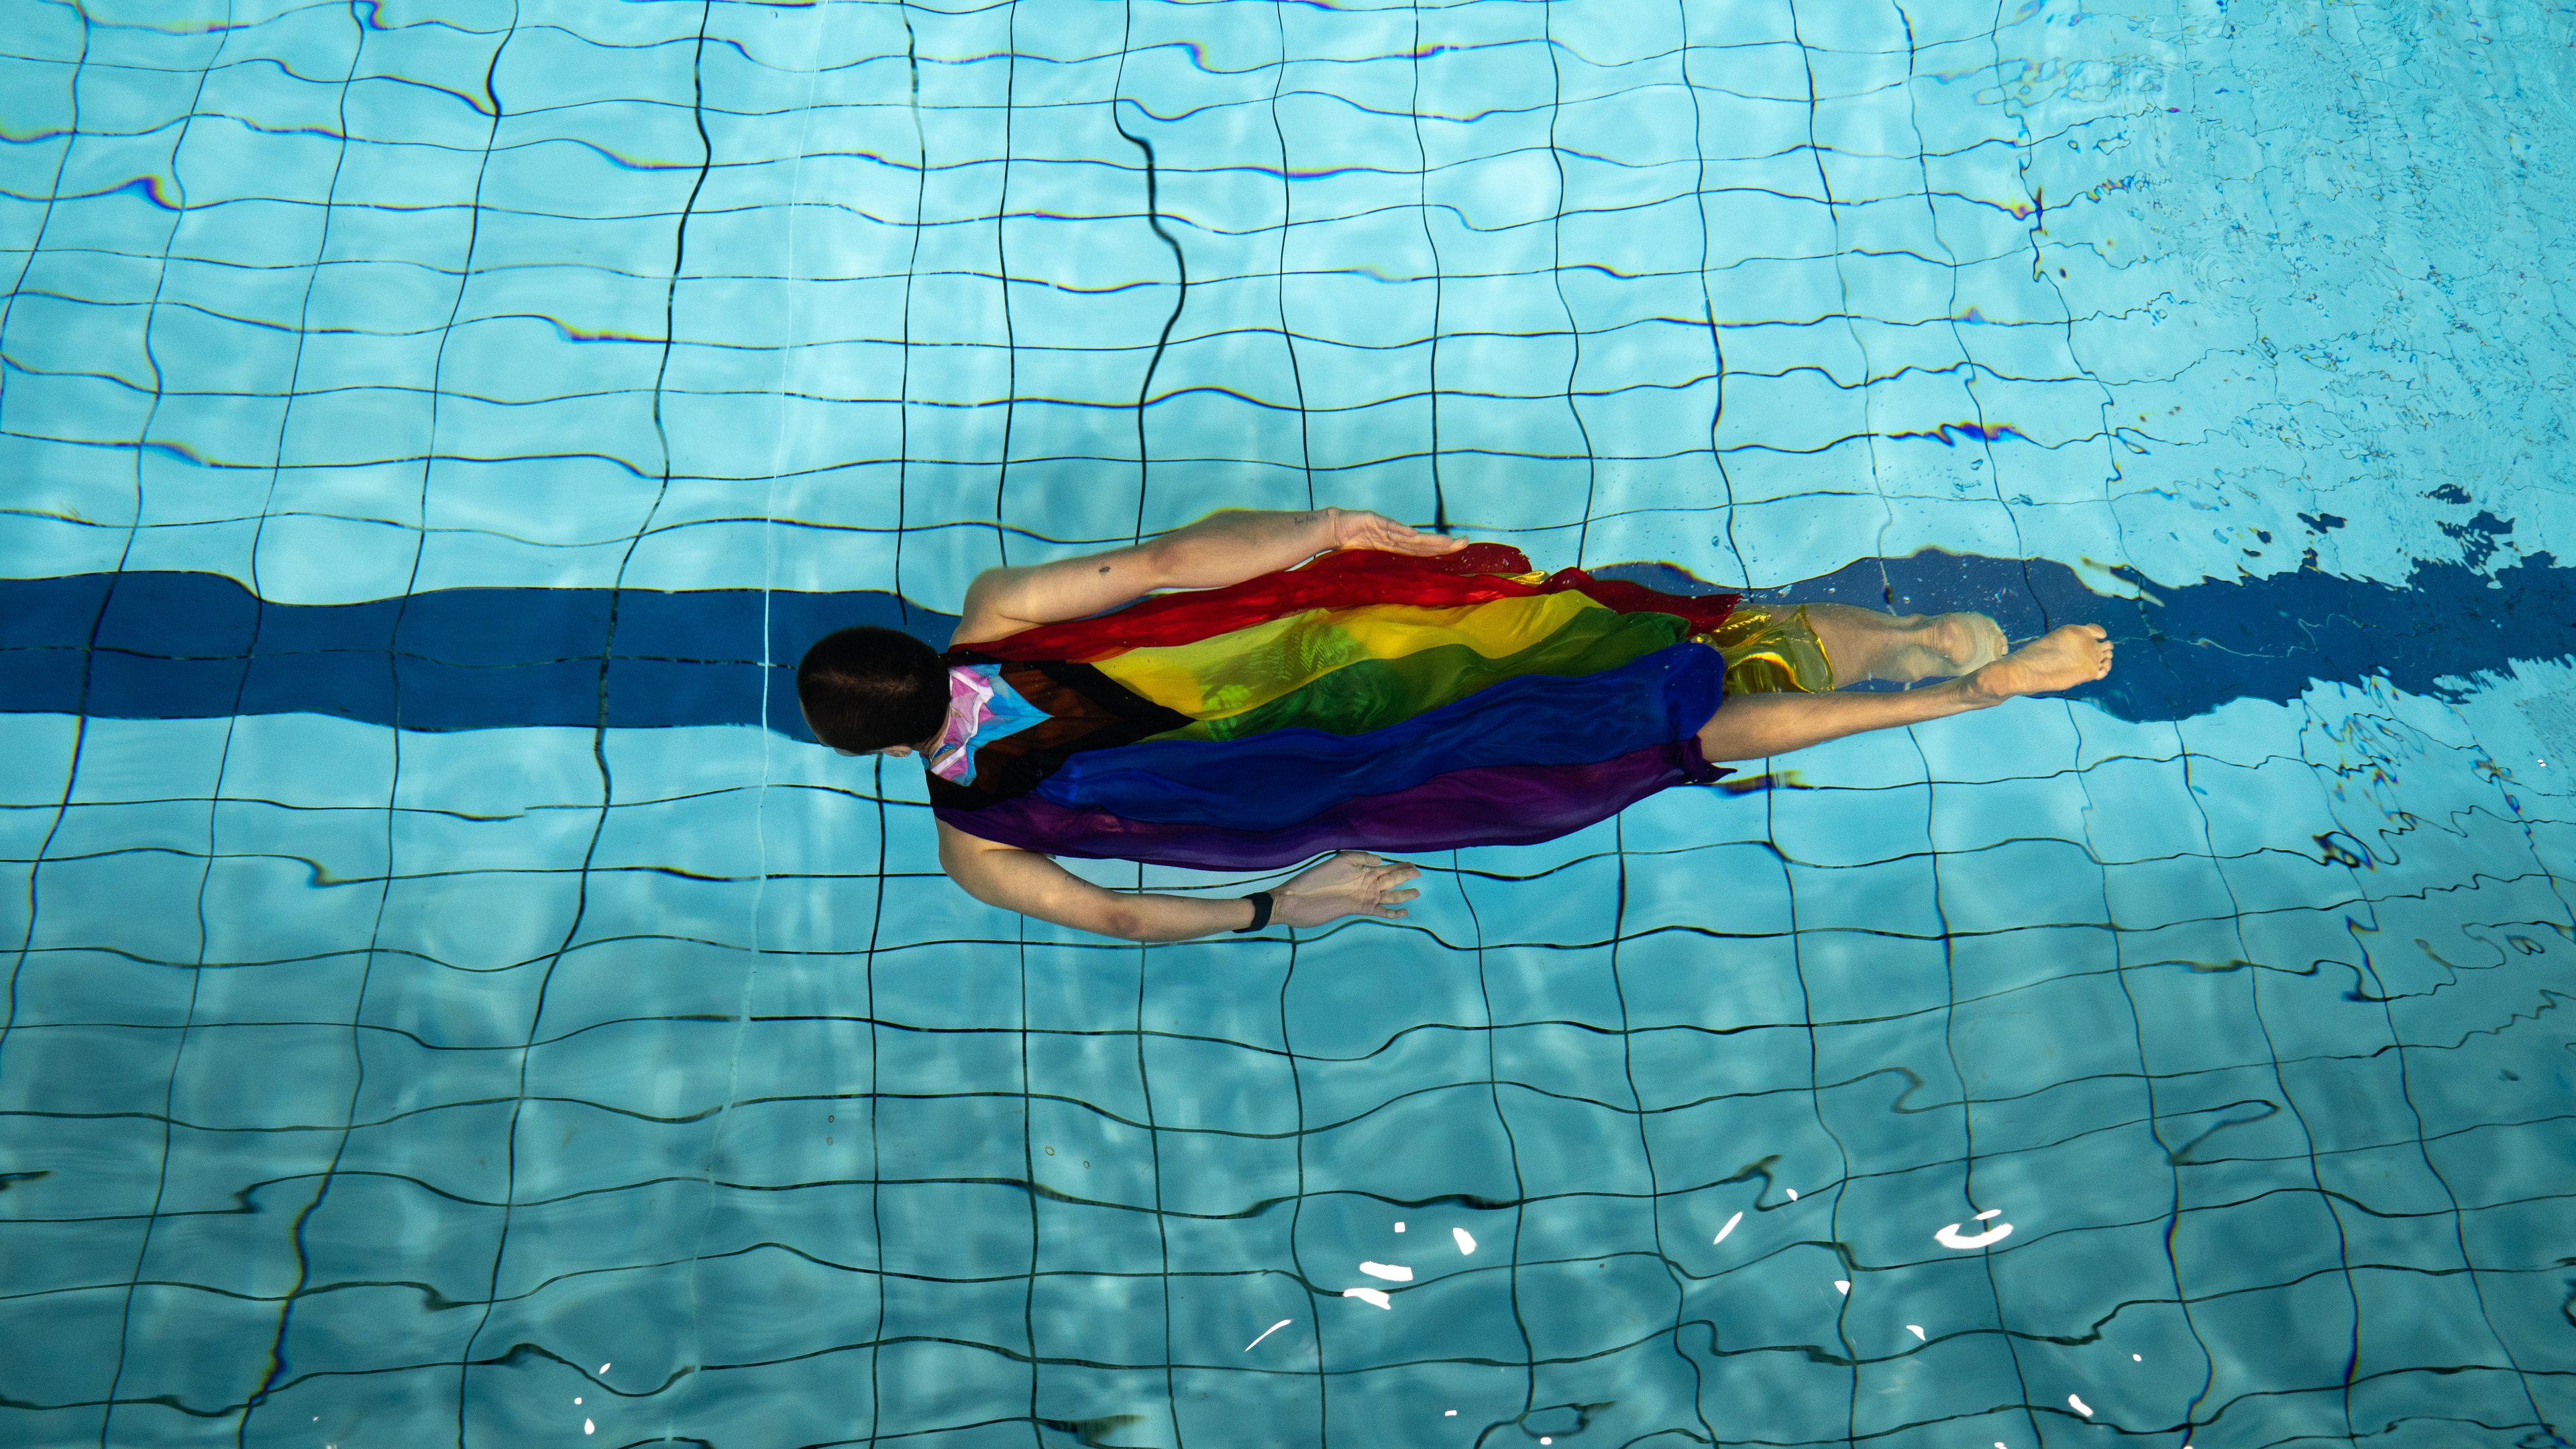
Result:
[[2061, 659]]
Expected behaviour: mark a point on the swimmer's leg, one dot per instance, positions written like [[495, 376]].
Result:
[[1902, 648], [1751, 726]]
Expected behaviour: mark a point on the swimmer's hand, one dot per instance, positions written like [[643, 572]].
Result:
[[1353, 883], [1359, 528]]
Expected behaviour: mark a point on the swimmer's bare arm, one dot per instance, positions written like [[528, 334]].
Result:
[[1222, 548], [1353, 883]]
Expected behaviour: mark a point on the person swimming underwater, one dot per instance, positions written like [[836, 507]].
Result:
[[1335, 683]]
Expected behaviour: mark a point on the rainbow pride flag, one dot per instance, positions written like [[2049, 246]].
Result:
[[1365, 701]]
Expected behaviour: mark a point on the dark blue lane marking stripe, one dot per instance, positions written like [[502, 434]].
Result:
[[177, 646], [186, 645]]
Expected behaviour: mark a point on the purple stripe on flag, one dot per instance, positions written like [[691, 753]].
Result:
[[1498, 805]]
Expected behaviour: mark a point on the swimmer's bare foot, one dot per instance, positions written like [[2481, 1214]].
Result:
[[1945, 646], [2064, 658]]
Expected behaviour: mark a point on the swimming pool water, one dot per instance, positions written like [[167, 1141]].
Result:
[[449, 1000]]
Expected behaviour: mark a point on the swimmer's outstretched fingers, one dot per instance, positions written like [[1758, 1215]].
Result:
[[2060, 659], [1351, 883]]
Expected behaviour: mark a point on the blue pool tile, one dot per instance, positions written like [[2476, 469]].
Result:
[[64, 1258], [1346, 1107], [133, 1063], [1577, 1069], [1077, 1235], [1851, 827], [2393, 1194], [585, 1244], [1729, 891], [96, 988], [1856, 976], [2067, 1028], [440, 1153], [1533, 989], [1369, 1155], [984, 1138], [1896, 895], [67, 1159], [1218, 1175], [172, 1349], [2021, 883], [2145, 895], [1965, 817], [1215, 1086], [388, 1329], [222, 1080], [70, 1340]]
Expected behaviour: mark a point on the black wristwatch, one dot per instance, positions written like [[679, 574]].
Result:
[[1260, 912]]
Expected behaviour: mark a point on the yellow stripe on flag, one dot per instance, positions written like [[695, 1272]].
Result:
[[1230, 673]]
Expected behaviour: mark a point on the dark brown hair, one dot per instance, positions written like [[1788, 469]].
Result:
[[867, 688]]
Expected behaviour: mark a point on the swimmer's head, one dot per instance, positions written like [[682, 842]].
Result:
[[868, 690]]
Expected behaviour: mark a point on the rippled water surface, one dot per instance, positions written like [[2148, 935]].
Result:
[[449, 1000]]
